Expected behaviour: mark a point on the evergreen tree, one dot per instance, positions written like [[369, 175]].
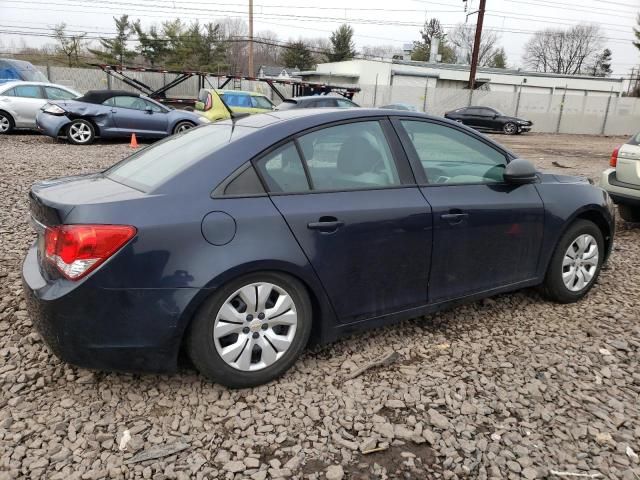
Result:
[[151, 47], [114, 50], [421, 49], [342, 46], [297, 54], [602, 64], [499, 59]]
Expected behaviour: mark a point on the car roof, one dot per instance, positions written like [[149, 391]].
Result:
[[99, 96], [14, 83], [240, 92]]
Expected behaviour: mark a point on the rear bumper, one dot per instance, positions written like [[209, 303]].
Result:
[[620, 192], [133, 330], [51, 125]]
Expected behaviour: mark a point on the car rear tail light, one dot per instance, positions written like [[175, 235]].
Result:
[[76, 250], [614, 157]]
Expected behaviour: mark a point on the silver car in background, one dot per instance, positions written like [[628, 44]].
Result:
[[20, 102]]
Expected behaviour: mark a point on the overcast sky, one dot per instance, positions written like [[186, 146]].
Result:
[[374, 21]]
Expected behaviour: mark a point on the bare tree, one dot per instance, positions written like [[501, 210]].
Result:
[[267, 49], [236, 31], [568, 51], [68, 45], [380, 51], [462, 36]]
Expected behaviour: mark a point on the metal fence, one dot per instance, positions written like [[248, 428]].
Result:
[[561, 112]]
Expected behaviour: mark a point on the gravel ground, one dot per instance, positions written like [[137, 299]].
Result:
[[510, 387]]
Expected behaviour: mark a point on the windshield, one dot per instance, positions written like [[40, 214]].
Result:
[[151, 167]]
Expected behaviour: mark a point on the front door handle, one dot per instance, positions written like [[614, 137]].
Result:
[[454, 218], [326, 224]]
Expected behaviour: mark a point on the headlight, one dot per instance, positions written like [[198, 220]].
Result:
[[523, 122], [53, 109]]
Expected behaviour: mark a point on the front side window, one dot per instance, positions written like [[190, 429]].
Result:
[[54, 93], [450, 156], [134, 103], [261, 102], [349, 156], [28, 91], [282, 170]]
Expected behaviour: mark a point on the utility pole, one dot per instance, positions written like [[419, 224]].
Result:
[[251, 38], [476, 45]]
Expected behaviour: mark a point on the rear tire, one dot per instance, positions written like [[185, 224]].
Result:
[[510, 128], [572, 272], [6, 123], [81, 132], [629, 214], [226, 326], [182, 127]]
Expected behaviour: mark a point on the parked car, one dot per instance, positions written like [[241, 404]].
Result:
[[401, 106], [220, 104], [112, 114], [243, 240], [20, 102], [317, 101], [14, 70], [622, 180], [485, 118]]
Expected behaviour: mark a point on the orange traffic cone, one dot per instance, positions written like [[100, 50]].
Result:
[[134, 141]]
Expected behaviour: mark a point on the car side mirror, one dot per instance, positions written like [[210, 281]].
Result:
[[148, 110], [520, 171]]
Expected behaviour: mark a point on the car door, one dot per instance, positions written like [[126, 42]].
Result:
[[348, 196], [487, 233], [24, 103], [472, 117], [486, 119], [137, 115]]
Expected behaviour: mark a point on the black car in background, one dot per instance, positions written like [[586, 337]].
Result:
[[485, 118], [316, 101]]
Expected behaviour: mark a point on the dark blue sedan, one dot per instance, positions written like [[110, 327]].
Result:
[[112, 114], [243, 241]]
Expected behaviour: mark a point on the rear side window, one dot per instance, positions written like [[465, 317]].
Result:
[[349, 157], [282, 170], [155, 165], [236, 100], [9, 93], [247, 183], [28, 91]]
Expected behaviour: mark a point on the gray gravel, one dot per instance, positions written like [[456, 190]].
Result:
[[510, 387]]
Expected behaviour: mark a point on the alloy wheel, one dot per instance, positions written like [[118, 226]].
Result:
[[80, 132], [255, 326], [5, 125], [509, 128], [183, 127], [580, 263]]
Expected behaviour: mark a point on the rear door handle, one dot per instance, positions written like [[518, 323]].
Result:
[[326, 224], [454, 218]]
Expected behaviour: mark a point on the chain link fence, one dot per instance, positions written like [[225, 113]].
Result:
[[559, 112]]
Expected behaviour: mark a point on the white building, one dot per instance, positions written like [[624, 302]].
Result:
[[408, 73]]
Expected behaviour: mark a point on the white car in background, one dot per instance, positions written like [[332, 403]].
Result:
[[20, 102], [622, 181]]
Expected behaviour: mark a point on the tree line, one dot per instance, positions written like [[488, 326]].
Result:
[[222, 46]]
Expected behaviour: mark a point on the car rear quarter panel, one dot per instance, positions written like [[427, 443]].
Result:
[[173, 265]]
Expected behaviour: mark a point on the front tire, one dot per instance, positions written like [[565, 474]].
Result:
[[251, 330], [81, 132], [6, 123], [182, 127], [629, 214], [576, 263], [510, 128]]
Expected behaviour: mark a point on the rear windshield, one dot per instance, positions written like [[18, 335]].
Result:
[[151, 167], [635, 140]]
